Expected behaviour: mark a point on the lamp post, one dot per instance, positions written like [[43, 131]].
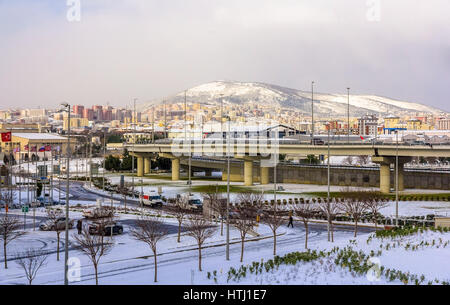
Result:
[[396, 179], [348, 115], [133, 121], [185, 140], [312, 112], [66, 243], [228, 191]]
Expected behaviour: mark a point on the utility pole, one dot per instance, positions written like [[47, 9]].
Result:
[[66, 243]]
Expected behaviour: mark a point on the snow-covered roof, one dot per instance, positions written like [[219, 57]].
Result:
[[39, 136]]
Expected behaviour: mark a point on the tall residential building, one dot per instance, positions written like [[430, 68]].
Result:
[[368, 125], [88, 114], [78, 110], [443, 124]]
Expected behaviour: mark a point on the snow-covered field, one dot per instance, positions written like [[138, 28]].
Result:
[[420, 257]]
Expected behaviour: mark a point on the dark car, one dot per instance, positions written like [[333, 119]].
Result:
[[94, 229]]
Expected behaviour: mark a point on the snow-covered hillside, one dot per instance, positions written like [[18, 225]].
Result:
[[266, 94]]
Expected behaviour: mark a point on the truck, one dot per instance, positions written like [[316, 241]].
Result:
[[194, 202], [152, 200]]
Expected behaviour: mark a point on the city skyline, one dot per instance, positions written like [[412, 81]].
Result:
[[149, 50]]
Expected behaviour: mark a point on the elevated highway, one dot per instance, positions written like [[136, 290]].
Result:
[[263, 152]]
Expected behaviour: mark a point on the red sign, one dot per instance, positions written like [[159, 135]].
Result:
[[6, 136]]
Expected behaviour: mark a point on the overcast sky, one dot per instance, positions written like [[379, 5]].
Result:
[[150, 49]]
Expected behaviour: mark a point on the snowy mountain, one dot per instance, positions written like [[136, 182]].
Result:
[[273, 95]]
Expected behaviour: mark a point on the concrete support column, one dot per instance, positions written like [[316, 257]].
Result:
[[147, 165], [264, 175], [385, 178], [140, 166], [248, 172], [175, 169]]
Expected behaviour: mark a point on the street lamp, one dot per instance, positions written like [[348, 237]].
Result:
[[396, 178], [228, 190], [66, 244], [312, 112], [348, 115]]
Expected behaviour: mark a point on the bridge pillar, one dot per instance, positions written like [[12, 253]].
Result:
[[264, 175], [385, 178], [175, 169], [147, 166], [140, 166], [248, 172]]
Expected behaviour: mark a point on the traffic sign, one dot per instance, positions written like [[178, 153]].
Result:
[[25, 209]]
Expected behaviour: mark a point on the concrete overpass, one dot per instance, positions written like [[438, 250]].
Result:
[[251, 151]]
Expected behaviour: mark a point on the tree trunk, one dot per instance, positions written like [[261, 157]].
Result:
[[242, 248], [332, 232], [356, 227], [306, 236], [274, 243], [375, 222], [156, 268], [96, 274], [4, 251], [200, 257], [57, 246], [221, 228], [328, 229], [179, 231]]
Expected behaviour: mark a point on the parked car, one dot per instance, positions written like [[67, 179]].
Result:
[[94, 229], [60, 224]]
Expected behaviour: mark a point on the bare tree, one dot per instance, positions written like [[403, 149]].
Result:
[[124, 191], [9, 231], [374, 206], [348, 160], [53, 216], [274, 220], [180, 210], [305, 211], [95, 246], [150, 230], [330, 209], [218, 205], [199, 229], [246, 217], [354, 208], [362, 159], [31, 260], [7, 196]]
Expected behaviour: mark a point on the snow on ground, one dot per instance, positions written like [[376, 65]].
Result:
[[417, 208], [421, 254], [131, 262]]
